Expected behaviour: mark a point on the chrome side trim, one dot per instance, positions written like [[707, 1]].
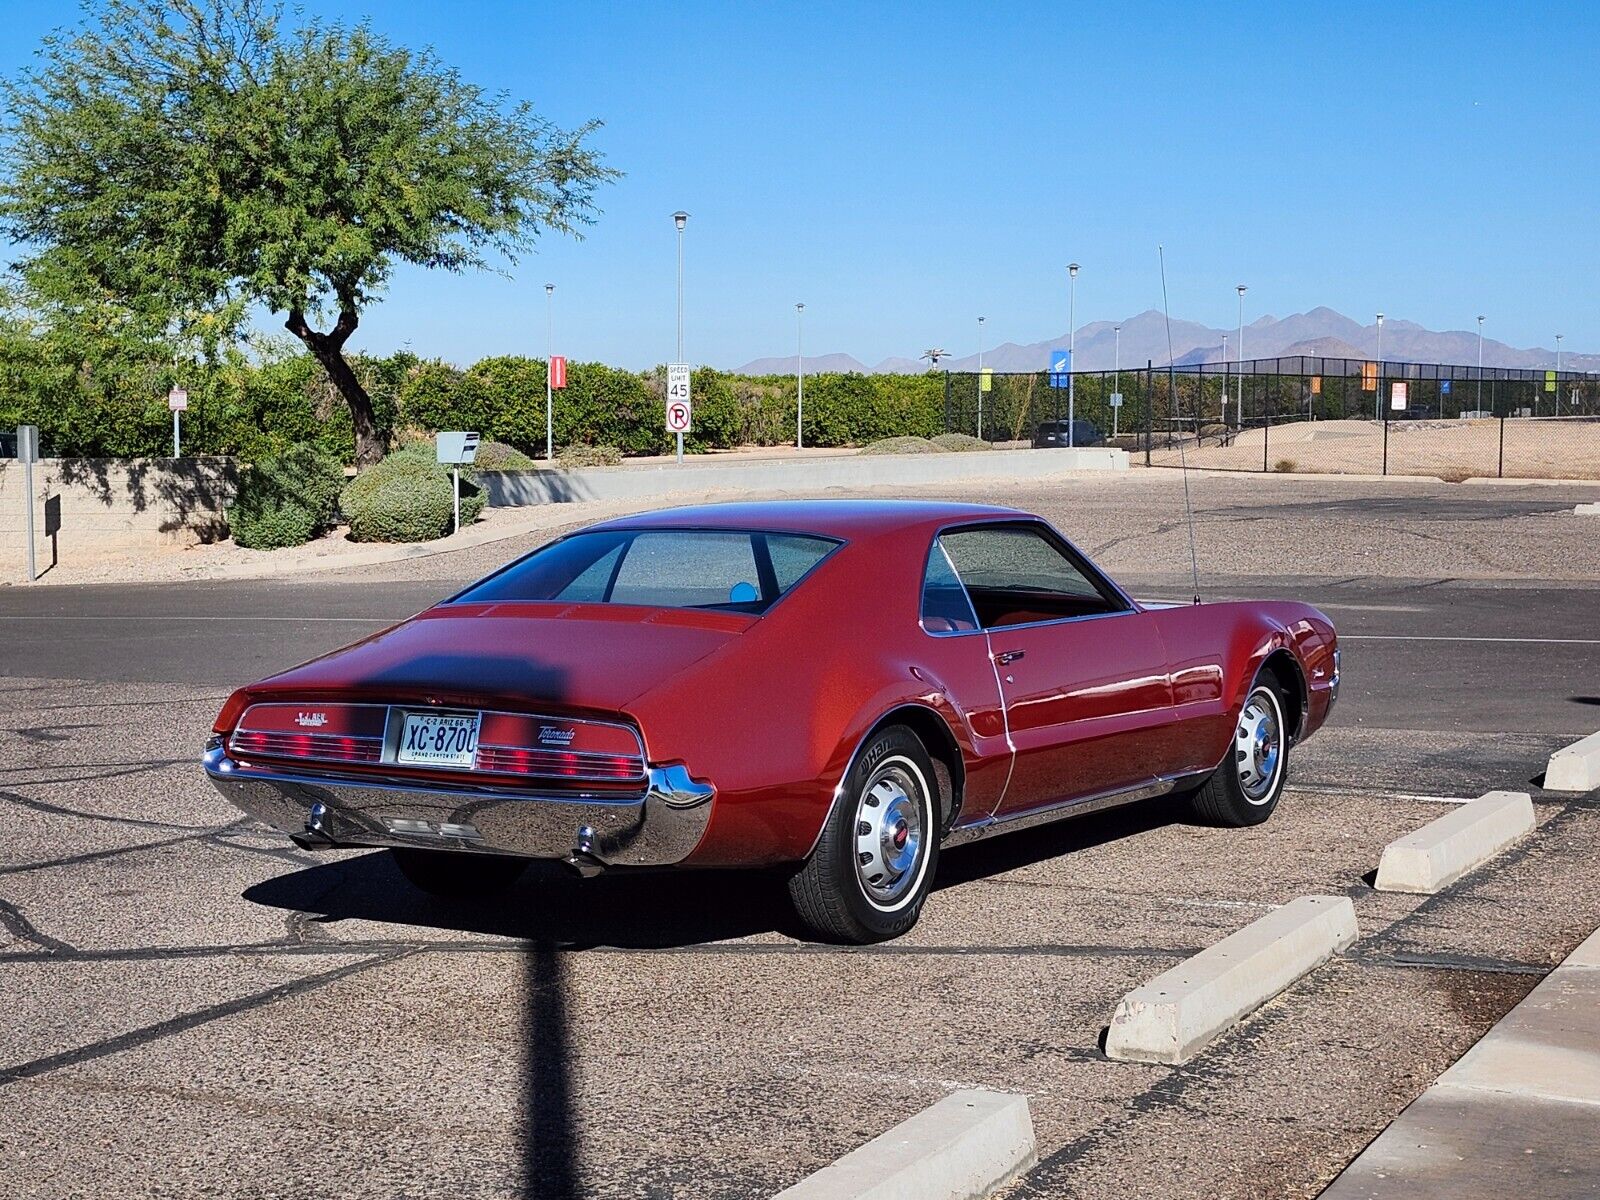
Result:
[[659, 827], [1062, 810]]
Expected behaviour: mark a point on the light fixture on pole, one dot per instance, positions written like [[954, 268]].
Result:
[[680, 219], [980, 378], [1238, 409], [1072, 348], [799, 376], [549, 349], [1479, 404], [1377, 398]]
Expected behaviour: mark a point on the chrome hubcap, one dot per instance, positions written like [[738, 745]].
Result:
[[1258, 747], [889, 832]]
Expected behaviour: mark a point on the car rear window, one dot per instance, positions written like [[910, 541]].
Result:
[[734, 570]]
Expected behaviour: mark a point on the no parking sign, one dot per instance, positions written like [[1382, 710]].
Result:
[[680, 409]]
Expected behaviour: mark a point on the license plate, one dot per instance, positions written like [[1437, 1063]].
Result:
[[438, 739]]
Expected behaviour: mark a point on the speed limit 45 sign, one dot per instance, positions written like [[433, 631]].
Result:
[[679, 408]]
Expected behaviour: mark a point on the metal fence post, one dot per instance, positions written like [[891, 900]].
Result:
[[1149, 408], [1386, 442], [1266, 435], [1500, 471]]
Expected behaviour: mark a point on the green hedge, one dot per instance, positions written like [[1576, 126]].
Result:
[[286, 499]]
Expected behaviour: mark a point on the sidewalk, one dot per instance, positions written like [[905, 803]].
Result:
[[1519, 1115]]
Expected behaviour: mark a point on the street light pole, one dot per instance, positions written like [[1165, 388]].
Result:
[[1555, 408], [1479, 404], [1072, 351], [1116, 376], [1238, 409], [1224, 379], [680, 219], [549, 349], [980, 378], [799, 377], [1377, 398]]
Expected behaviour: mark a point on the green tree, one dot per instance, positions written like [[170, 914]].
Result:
[[194, 158]]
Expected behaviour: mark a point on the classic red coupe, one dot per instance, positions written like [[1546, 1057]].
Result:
[[837, 688]]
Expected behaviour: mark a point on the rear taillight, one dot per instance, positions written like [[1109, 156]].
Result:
[[349, 733]]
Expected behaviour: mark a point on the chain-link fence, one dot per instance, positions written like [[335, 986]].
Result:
[[1305, 414]]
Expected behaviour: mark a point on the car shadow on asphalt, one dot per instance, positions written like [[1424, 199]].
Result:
[[657, 910]]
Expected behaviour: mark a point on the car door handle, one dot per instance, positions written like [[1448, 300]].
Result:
[[1008, 656]]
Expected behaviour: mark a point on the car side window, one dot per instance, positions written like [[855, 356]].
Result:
[[945, 607], [1017, 575]]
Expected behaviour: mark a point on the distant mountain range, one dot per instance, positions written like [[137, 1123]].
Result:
[[1320, 332]]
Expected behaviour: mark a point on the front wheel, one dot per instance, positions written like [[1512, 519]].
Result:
[[458, 876], [874, 863], [1245, 788]]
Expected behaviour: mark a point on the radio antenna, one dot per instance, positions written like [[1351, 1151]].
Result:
[[1172, 401]]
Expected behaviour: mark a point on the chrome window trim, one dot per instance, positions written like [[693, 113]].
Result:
[[1092, 573]]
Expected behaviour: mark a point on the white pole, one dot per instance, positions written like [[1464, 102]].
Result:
[[549, 351], [680, 219], [177, 442], [799, 376], [1555, 405], [455, 479], [1377, 400], [1072, 349], [1116, 376], [1224, 379], [980, 378], [1238, 409], [27, 490], [1479, 404]]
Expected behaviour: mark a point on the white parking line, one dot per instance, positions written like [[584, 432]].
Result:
[[1447, 637]]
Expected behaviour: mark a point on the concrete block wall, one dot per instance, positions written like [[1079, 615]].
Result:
[[112, 508]]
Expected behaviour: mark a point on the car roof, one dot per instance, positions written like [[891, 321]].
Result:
[[829, 518]]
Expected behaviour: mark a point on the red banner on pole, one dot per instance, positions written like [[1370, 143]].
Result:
[[558, 372]]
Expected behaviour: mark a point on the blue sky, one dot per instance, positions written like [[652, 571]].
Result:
[[904, 167]]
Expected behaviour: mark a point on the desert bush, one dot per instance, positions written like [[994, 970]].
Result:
[[497, 456], [901, 445], [1285, 465], [589, 456], [286, 499], [960, 443], [406, 498]]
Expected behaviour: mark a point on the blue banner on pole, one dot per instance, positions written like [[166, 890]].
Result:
[[1060, 367], [1444, 387]]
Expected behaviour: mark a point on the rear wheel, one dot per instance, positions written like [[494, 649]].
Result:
[[874, 863], [1245, 788], [458, 876]]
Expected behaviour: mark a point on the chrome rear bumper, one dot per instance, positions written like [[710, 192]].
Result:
[[590, 831]]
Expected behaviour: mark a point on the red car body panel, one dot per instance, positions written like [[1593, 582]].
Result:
[[769, 710]]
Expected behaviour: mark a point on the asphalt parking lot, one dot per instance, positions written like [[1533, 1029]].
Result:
[[196, 1007]]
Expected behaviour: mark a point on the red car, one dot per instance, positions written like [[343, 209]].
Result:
[[838, 688]]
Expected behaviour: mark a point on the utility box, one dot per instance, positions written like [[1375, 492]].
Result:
[[456, 449]]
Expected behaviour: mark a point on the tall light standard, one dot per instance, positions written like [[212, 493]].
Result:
[[1072, 348], [1224, 379], [1238, 409], [549, 349], [980, 378], [680, 219], [799, 376], [1116, 375], [1479, 404], [1556, 407], [1377, 398]]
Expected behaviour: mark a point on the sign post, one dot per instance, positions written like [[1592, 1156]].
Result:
[[454, 450], [1116, 412], [1061, 377], [27, 455], [555, 379], [177, 401], [680, 407]]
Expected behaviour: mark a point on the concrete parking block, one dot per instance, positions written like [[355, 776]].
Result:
[[1171, 1018], [1442, 851], [1575, 768], [1588, 510], [968, 1145]]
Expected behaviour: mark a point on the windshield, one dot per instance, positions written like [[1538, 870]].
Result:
[[736, 570]]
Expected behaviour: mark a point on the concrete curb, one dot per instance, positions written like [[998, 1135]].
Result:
[[516, 489], [968, 1145], [1173, 1017], [1514, 1117], [1442, 851], [1587, 510], [1575, 768]]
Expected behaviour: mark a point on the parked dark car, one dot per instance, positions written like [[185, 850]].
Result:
[[1054, 433]]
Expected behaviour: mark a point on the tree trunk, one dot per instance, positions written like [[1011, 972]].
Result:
[[328, 349]]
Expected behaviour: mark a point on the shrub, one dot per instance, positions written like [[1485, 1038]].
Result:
[[286, 499], [497, 456], [960, 442], [901, 445], [1285, 465], [406, 498], [589, 456]]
